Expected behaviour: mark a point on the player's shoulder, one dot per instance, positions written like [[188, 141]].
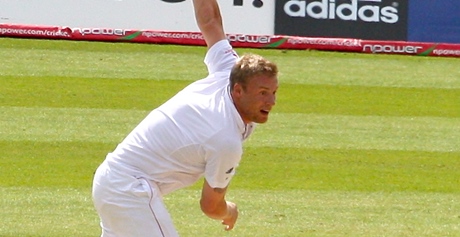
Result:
[[223, 44], [222, 48], [220, 57]]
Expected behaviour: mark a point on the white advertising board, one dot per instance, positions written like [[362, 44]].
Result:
[[240, 16]]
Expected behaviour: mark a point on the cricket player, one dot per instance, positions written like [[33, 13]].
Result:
[[197, 134]]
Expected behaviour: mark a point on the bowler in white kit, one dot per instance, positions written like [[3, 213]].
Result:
[[197, 133]]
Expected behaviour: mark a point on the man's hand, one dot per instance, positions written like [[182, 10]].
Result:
[[230, 220]]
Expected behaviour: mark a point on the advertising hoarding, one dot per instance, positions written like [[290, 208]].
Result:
[[362, 19]]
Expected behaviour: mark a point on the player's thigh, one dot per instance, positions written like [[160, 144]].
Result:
[[136, 209], [136, 218]]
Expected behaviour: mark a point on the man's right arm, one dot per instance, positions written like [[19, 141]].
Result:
[[209, 20], [214, 205]]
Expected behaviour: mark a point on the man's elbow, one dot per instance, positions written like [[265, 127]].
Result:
[[207, 13], [210, 24]]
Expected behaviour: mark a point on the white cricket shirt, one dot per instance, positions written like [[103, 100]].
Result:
[[196, 133]]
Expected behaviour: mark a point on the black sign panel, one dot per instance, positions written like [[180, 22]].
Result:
[[362, 19]]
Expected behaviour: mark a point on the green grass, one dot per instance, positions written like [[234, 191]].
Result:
[[358, 145]]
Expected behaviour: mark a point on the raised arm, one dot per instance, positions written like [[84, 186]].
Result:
[[209, 20]]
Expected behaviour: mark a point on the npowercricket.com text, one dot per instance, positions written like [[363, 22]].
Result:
[[36, 32], [331, 41], [152, 34], [442, 52]]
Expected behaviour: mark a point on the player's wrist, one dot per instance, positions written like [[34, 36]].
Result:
[[231, 208]]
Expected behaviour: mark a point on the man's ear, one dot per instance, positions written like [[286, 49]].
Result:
[[237, 89]]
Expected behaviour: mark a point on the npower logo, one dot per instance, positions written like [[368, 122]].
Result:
[[100, 31], [350, 10], [260, 39], [387, 48]]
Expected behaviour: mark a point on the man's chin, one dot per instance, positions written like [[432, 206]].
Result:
[[261, 120]]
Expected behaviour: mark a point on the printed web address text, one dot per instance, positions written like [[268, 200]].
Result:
[[34, 32], [441, 52], [333, 42], [172, 35]]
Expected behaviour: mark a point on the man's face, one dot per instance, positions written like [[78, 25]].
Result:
[[255, 101]]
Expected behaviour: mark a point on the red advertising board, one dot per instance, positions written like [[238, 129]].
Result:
[[237, 40]]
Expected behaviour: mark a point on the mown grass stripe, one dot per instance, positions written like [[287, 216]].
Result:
[[85, 64], [72, 164], [283, 130], [146, 95], [357, 214], [67, 124]]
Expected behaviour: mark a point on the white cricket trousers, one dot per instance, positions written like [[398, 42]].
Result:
[[129, 206]]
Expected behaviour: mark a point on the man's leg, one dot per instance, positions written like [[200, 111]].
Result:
[[130, 207]]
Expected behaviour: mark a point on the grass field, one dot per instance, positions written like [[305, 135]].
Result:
[[358, 145]]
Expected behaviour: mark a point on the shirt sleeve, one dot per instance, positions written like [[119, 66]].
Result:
[[222, 159], [220, 57]]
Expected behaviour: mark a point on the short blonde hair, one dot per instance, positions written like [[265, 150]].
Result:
[[250, 65]]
